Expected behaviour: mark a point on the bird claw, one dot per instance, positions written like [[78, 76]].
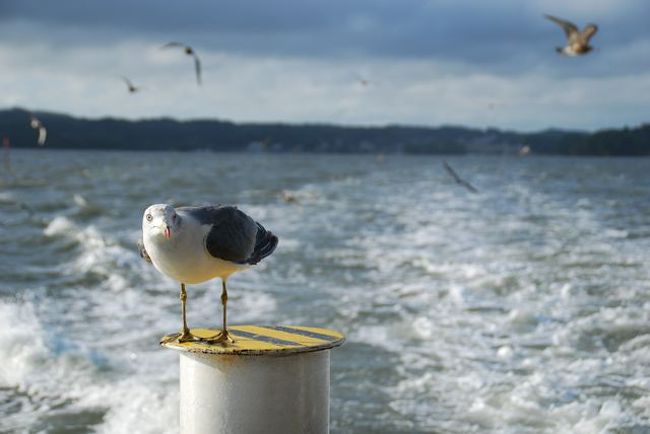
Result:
[[222, 338], [179, 338]]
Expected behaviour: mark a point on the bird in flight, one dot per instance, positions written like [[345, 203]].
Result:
[[129, 84], [458, 179], [363, 81], [42, 132], [577, 41], [196, 244], [190, 52]]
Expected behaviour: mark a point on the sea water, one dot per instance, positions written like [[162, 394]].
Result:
[[524, 308]]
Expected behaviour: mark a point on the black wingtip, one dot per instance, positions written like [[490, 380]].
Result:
[[266, 243]]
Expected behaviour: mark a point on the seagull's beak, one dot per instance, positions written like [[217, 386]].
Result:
[[167, 232]]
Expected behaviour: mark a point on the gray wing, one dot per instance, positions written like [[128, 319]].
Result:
[[569, 28], [589, 31], [129, 83], [458, 179], [197, 68], [143, 252], [233, 235], [265, 244], [173, 44]]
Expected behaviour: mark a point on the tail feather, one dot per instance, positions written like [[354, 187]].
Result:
[[265, 244]]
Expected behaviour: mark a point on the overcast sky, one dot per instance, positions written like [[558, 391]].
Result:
[[427, 62]]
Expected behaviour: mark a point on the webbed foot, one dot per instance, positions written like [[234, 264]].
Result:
[[179, 338], [221, 338]]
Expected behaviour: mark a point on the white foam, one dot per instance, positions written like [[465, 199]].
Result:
[[6, 197], [135, 404], [60, 225], [510, 311], [22, 347], [80, 200]]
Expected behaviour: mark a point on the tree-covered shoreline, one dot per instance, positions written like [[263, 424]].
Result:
[[67, 132]]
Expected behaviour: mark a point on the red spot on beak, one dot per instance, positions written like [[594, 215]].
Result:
[[168, 232]]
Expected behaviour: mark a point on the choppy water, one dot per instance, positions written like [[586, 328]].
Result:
[[525, 308]]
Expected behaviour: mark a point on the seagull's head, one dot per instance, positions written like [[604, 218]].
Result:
[[160, 220]]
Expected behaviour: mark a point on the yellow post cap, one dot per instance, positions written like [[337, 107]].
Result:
[[261, 340]]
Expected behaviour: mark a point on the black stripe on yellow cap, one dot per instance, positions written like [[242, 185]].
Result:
[[261, 338], [301, 332]]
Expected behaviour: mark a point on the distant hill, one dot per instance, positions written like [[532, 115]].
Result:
[[168, 134]]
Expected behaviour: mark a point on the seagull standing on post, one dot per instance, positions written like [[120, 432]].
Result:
[[196, 244]]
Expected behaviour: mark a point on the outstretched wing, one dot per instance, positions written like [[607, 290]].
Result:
[[197, 68], [173, 44], [42, 135], [127, 81], [569, 28], [143, 252], [458, 179], [589, 31]]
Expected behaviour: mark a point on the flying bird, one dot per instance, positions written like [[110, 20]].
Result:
[[42, 132], [129, 84], [190, 52], [362, 80], [577, 41], [196, 244], [458, 179]]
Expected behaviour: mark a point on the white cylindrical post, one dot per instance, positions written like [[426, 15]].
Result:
[[271, 380]]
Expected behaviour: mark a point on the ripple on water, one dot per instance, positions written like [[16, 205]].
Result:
[[522, 309]]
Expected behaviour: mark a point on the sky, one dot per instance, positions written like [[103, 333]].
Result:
[[426, 62]]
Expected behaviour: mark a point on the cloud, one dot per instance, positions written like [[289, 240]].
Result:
[[429, 61], [474, 31]]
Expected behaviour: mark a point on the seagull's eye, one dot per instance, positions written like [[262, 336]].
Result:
[[149, 217]]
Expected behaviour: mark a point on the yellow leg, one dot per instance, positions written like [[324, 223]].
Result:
[[223, 337], [185, 335]]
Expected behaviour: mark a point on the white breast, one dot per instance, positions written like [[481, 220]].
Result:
[[569, 50], [184, 257]]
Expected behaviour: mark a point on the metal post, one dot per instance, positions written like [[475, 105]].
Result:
[[273, 379]]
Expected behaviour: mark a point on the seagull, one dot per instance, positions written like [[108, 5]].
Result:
[[132, 88], [196, 244], [577, 41], [524, 150], [362, 80], [458, 179], [190, 52], [42, 132]]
